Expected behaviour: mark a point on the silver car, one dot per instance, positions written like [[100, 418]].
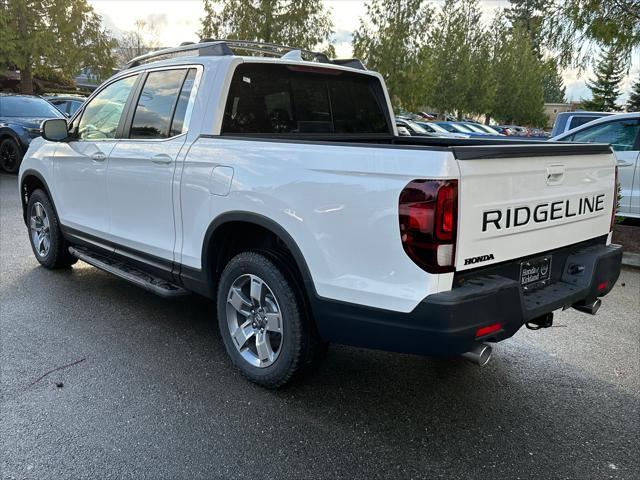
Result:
[[622, 132]]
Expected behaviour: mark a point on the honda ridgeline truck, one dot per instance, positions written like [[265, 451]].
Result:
[[279, 187]]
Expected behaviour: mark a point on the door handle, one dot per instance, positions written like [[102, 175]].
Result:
[[161, 159], [98, 157]]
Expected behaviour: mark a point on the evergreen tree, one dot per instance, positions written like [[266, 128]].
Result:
[[389, 40], [300, 23], [633, 104], [552, 83], [519, 95], [45, 36], [605, 88], [458, 65], [529, 15]]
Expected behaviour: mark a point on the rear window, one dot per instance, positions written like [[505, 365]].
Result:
[[280, 99]]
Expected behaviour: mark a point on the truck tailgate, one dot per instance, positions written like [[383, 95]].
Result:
[[516, 201]]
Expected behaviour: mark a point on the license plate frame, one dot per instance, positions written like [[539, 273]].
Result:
[[535, 273]]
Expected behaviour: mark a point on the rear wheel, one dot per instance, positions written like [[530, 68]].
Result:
[[10, 155], [47, 243], [263, 321]]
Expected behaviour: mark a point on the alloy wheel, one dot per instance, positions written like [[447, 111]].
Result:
[[255, 321], [40, 232], [9, 155]]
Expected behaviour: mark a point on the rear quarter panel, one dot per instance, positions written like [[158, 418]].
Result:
[[339, 204]]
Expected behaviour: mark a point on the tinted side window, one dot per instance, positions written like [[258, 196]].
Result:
[[152, 117], [580, 120], [183, 101], [278, 99], [102, 114], [620, 134]]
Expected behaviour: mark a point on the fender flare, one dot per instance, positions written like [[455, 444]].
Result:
[[34, 173], [266, 223], [9, 132]]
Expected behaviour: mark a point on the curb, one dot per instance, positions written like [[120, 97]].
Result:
[[631, 259]]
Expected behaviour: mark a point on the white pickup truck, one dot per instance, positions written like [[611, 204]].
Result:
[[279, 188]]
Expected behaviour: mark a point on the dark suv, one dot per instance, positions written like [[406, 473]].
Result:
[[20, 119]]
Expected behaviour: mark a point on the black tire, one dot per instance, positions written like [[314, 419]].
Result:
[[10, 155], [56, 255], [300, 347]]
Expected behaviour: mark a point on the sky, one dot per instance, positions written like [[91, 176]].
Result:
[[178, 21]]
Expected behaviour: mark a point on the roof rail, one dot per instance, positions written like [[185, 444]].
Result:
[[211, 47]]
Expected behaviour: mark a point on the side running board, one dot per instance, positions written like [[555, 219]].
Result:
[[138, 277]]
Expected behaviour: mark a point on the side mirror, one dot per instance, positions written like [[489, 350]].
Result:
[[54, 129]]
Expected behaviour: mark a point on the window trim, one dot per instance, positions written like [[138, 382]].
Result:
[[131, 107]]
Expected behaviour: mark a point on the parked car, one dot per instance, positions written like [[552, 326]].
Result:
[[622, 132], [566, 121], [456, 127], [517, 130], [307, 218], [66, 104], [440, 131], [20, 119], [487, 129], [414, 128], [503, 130]]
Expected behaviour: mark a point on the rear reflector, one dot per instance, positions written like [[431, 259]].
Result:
[[493, 328], [428, 215], [602, 286]]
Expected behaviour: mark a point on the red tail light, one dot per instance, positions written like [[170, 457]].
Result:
[[615, 200], [428, 212]]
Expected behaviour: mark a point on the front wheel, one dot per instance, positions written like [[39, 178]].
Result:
[[10, 155], [263, 321], [47, 243]]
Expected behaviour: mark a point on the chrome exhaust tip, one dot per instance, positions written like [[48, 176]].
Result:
[[588, 307], [480, 355]]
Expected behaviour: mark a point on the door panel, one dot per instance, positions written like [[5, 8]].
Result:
[[142, 167], [627, 167], [140, 199], [81, 163], [635, 190]]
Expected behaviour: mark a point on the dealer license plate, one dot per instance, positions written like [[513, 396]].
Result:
[[535, 273]]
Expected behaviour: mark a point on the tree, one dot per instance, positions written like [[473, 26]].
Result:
[[576, 28], [552, 82], [529, 15], [389, 40], [519, 96], [41, 36], [605, 88], [301, 23], [633, 104], [459, 65], [137, 42]]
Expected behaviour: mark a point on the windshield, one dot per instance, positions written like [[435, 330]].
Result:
[[31, 107], [435, 127], [460, 128], [472, 127], [488, 129], [415, 127]]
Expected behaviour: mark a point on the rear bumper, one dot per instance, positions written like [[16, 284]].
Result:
[[446, 323]]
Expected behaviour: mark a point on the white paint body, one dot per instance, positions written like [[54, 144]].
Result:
[[338, 203]]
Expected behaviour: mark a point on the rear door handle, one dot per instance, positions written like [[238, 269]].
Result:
[[161, 159], [98, 157]]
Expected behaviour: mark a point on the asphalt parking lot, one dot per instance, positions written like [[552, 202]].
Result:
[[153, 395]]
